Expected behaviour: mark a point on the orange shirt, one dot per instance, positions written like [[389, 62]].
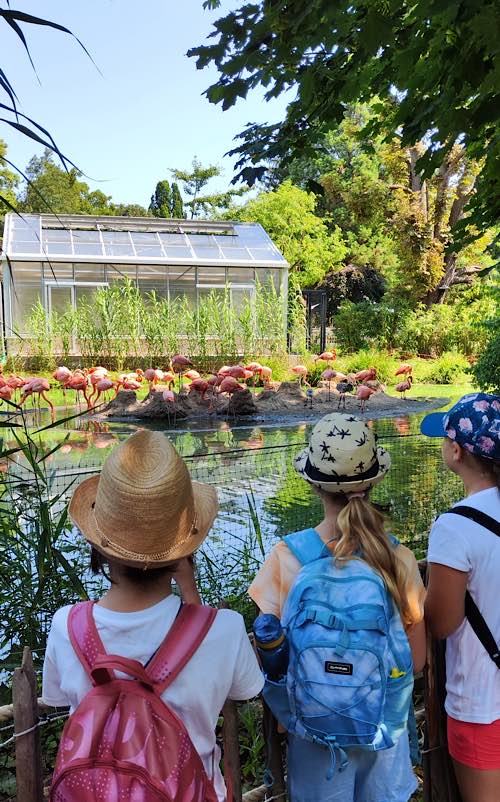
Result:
[[275, 577]]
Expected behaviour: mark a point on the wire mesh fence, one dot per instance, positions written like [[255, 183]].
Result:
[[262, 498]]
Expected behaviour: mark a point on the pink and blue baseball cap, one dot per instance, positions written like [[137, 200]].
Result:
[[473, 423]]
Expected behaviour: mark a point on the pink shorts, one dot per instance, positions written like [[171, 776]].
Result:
[[475, 745]]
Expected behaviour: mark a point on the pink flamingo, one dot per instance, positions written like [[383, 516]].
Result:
[[37, 386], [79, 383], [192, 375], [363, 394], [15, 383], [153, 376], [199, 386], [5, 393], [169, 398], [328, 375], [404, 370], [327, 356], [403, 387], [230, 385], [301, 372], [102, 386], [265, 375], [237, 372], [366, 375]]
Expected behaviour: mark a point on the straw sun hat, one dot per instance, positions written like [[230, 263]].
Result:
[[343, 456], [143, 509]]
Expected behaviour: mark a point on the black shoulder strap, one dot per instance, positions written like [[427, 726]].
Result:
[[472, 612]]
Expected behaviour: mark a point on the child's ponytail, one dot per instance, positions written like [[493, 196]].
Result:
[[362, 533]]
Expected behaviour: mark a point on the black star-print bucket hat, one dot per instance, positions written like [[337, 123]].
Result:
[[343, 456]]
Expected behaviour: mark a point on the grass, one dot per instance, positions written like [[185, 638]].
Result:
[[435, 390]]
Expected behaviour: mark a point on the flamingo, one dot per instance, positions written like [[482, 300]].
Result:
[[192, 375], [15, 383], [366, 375], [199, 386], [5, 393], [404, 370], [237, 372], [403, 387], [363, 394], [327, 356], [301, 372], [328, 375], [37, 386], [230, 385], [265, 375], [102, 386], [179, 362], [79, 383], [153, 377]]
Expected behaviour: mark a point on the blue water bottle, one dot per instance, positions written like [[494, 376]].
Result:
[[272, 645]]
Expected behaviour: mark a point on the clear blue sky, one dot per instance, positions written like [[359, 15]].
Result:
[[146, 112]]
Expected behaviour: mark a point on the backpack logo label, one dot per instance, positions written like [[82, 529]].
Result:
[[338, 668]]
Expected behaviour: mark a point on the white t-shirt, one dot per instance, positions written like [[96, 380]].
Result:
[[472, 678], [223, 667]]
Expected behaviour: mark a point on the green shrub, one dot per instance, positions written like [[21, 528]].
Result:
[[385, 363], [449, 368], [486, 371]]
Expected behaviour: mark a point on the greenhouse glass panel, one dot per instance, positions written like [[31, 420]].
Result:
[[120, 272], [241, 298], [153, 279], [56, 235], [145, 251], [178, 252], [205, 252], [23, 301], [27, 247], [59, 299], [58, 248], [118, 249], [84, 296], [266, 275], [182, 284], [241, 275], [86, 236], [236, 254], [90, 273], [211, 275], [60, 271], [87, 249], [173, 238], [26, 272], [115, 236]]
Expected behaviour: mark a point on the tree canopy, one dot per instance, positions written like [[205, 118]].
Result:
[[433, 65]]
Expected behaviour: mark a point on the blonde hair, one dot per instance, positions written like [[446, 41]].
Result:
[[362, 534]]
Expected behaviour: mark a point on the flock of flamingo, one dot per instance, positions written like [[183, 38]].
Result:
[[95, 382]]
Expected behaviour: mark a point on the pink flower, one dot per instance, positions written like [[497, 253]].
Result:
[[451, 434], [465, 425], [468, 447], [486, 444], [481, 406], [496, 405]]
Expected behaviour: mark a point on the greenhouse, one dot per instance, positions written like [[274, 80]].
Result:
[[61, 260]]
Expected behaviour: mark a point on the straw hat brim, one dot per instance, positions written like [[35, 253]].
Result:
[[353, 485], [81, 512]]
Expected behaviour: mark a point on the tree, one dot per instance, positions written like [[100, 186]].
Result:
[[436, 62], [8, 184], [50, 188], [166, 200], [177, 209], [161, 200], [196, 180], [390, 217], [288, 216]]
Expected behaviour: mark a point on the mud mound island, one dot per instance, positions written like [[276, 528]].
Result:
[[277, 403]]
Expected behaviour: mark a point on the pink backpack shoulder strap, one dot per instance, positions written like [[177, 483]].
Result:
[[181, 642], [84, 636]]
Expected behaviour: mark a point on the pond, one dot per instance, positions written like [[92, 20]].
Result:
[[261, 496]]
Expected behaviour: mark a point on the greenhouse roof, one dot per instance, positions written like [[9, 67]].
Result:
[[146, 240]]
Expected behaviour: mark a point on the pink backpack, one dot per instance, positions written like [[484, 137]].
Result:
[[123, 742]]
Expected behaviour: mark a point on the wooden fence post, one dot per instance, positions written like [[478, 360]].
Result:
[[29, 782], [274, 753], [232, 767], [439, 777]]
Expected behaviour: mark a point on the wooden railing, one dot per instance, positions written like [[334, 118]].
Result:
[[29, 713]]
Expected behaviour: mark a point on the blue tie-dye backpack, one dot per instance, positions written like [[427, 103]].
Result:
[[350, 673]]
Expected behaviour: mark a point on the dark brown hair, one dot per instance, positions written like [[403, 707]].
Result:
[[138, 576], [491, 466]]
